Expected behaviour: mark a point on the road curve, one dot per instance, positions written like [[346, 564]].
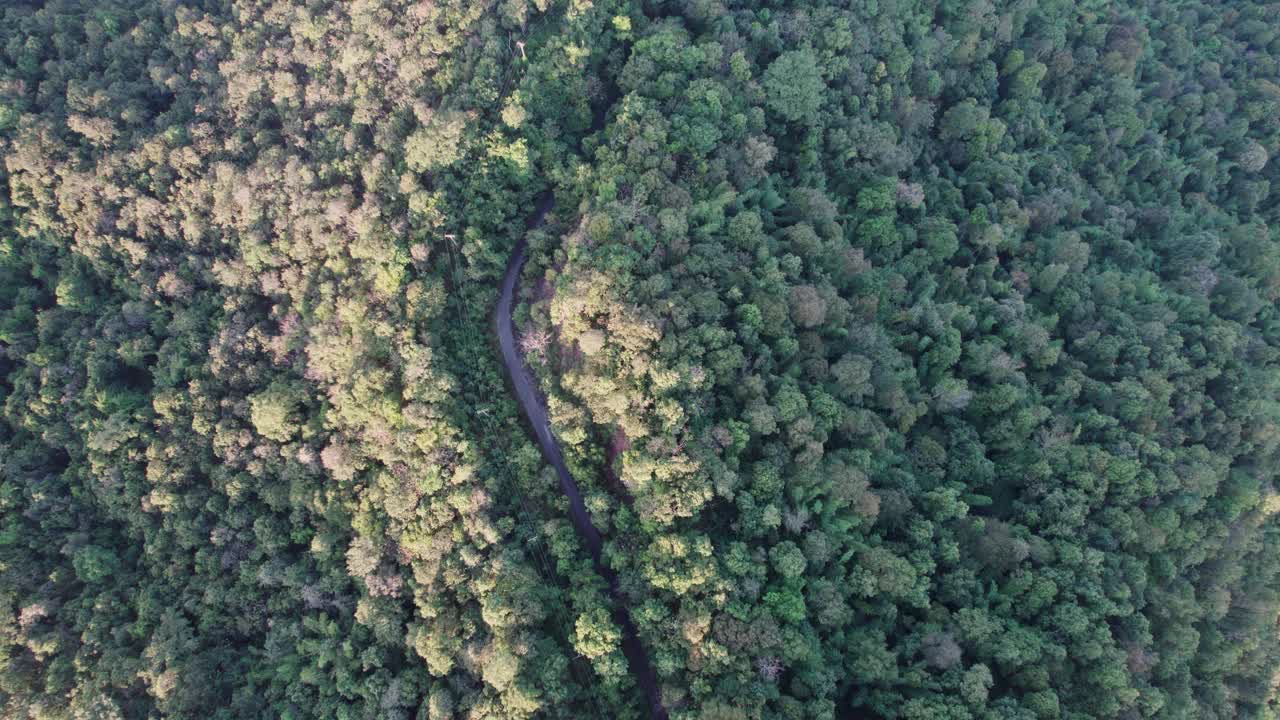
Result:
[[535, 411]]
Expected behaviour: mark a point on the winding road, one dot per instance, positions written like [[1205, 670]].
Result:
[[535, 410]]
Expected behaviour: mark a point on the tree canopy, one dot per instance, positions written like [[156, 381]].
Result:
[[916, 359]]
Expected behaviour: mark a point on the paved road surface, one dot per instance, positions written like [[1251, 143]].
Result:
[[535, 411]]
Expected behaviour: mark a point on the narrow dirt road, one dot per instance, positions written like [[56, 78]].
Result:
[[535, 411]]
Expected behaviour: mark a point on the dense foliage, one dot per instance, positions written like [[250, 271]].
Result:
[[918, 359], [257, 459]]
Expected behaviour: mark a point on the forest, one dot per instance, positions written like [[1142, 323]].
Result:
[[914, 359]]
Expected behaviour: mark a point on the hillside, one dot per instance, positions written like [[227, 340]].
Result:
[[886, 359]]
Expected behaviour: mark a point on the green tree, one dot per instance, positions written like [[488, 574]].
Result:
[[794, 86]]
